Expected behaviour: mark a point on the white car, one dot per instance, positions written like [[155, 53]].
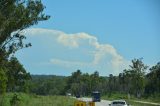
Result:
[[118, 103]]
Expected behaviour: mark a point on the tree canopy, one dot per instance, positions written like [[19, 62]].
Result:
[[15, 16]]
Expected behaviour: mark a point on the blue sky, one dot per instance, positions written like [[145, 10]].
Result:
[[102, 35]]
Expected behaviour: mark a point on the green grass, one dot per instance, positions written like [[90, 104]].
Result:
[[35, 100], [132, 100], [138, 104], [115, 96]]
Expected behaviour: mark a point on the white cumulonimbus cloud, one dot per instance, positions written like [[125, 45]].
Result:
[[101, 56]]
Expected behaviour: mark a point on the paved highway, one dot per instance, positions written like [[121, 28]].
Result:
[[102, 103]]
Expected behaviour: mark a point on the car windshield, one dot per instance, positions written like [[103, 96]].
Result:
[[119, 102]]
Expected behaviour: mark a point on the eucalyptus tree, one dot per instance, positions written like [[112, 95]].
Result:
[[15, 16], [135, 77], [153, 80]]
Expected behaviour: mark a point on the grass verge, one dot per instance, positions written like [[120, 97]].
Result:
[[36, 100], [132, 101]]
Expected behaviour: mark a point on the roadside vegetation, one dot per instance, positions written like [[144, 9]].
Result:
[[35, 100], [133, 82], [138, 104], [15, 17], [133, 100]]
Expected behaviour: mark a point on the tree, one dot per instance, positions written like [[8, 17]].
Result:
[[136, 76], [85, 84], [15, 16], [153, 80], [95, 81], [75, 81], [127, 74], [3, 80], [121, 82], [17, 75]]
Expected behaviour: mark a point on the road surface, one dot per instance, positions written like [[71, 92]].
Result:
[[102, 103], [106, 102]]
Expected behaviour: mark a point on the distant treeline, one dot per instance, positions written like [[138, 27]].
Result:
[[134, 81]]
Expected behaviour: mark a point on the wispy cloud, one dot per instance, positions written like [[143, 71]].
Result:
[[86, 47], [69, 64]]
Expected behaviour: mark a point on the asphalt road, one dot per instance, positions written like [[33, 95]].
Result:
[[102, 103], [106, 102]]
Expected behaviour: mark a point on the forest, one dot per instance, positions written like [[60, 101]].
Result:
[[134, 81]]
